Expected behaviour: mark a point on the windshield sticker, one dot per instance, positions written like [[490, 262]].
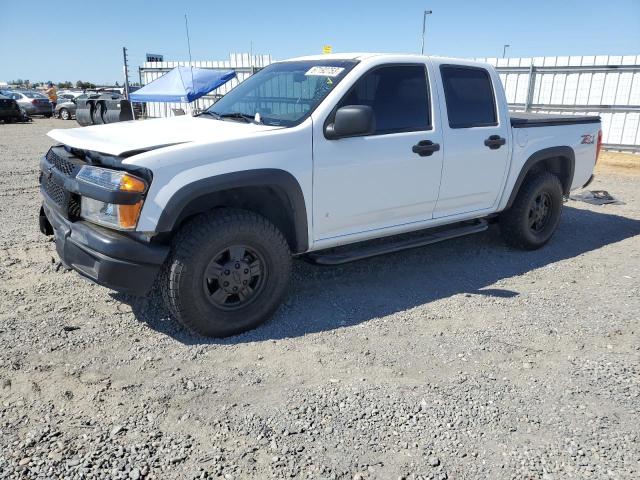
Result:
[[319, 71]]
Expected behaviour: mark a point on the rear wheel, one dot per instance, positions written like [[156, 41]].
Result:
[[227, 273], [534, 216]]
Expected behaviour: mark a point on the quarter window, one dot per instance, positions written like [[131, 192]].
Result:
[[398, 95], [469, 96]]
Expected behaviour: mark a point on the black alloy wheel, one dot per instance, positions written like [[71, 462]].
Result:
[[539, 212], [234, 277]]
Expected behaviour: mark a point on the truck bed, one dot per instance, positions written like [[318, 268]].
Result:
[[526, 119]]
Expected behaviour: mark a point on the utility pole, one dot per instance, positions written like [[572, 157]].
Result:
[[126, 80], [504, 49], [126, 73], [424, 27]]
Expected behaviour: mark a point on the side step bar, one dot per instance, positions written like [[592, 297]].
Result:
[[366, 251]]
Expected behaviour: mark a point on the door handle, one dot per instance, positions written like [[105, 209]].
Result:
[[494, 142], [424, 148]]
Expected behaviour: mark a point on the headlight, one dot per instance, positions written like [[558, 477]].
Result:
[[121, 217], [113, 180]]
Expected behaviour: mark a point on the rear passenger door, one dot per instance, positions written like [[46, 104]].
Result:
[[477, 150]]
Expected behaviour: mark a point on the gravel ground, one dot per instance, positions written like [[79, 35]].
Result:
[[465, 359]]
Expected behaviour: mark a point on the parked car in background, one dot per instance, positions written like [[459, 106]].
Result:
[[33, 103], [69, 94], [9, 110], [62, 97], [66, 108]]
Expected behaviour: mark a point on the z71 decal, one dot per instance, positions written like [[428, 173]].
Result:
[[588, 139]]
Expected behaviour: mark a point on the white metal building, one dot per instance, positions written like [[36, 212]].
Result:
[[605, 85]]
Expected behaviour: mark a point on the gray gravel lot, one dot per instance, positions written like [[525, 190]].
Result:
[[461, 360]]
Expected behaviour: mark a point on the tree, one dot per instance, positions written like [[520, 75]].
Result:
[[84, 85], [117, 84], [66, 84], [20, 82]]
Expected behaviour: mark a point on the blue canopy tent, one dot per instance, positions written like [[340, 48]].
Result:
[[182, 84]]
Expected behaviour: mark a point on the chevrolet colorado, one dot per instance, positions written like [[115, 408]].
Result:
[[314, 157]]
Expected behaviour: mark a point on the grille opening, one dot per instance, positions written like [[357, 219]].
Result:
[[74, 207], [60, 163], [53, 191]]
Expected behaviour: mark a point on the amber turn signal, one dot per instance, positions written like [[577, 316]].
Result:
[[128, 215], [129, 183]]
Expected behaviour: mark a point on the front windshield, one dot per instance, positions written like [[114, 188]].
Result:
[[283, 93]]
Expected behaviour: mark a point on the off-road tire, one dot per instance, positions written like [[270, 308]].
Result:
[[515, 222], [195, 246]]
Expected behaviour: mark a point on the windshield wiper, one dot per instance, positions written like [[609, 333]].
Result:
[[241, 116], [232, 115], [207, 112]]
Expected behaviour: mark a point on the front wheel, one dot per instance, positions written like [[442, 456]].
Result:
[[534, 216], [228, 272], [64, 114]]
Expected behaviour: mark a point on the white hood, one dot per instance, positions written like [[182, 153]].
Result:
[[118, 138]]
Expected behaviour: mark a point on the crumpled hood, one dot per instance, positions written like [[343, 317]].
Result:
[[118, 138]]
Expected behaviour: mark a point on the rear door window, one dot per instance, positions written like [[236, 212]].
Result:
[[398, 95], [469, 96]]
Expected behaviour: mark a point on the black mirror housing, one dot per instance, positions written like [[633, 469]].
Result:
[[351, 121]]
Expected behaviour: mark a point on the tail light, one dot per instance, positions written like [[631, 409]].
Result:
[[34, 101], [599, 145]]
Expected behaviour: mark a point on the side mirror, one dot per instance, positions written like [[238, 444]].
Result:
[[351, 121]]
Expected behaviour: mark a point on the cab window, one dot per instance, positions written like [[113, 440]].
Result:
[[469, 96], [398, 95]]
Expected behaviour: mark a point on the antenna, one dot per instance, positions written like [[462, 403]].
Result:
[[186, 25]]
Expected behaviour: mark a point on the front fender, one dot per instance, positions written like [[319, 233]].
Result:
[[192, 198], [281, 158]]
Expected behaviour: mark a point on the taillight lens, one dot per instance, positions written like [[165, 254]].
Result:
[[34, 101], [599, 145]]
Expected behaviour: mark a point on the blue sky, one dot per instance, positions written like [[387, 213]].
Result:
[[75, 39]]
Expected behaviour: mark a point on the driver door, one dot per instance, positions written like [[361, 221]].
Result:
[[374, 182]]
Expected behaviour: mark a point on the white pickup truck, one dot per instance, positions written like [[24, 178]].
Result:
[[312, 157]]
